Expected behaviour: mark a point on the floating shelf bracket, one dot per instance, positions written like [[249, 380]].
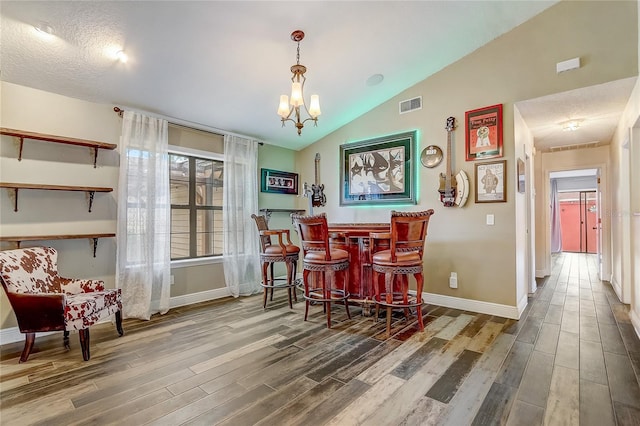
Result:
[[91, 194]]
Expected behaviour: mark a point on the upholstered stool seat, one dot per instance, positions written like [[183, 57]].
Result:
[[326, 269], [271, 253], [403, 258]]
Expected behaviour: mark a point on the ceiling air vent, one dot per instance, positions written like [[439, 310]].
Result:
[[411, 105]]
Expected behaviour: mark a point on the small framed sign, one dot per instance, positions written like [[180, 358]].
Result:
[[278, 182], [491, 186]]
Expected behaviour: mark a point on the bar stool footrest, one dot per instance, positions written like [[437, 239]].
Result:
[[317, 295], [398, 301]]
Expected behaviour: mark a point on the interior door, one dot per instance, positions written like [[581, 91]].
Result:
[[579, 221], [590, 218]]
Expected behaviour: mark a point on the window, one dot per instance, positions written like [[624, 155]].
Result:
[[196, 205]]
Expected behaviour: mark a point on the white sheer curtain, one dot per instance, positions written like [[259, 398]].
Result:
[[556, 229], [240, 200], [143, 237]]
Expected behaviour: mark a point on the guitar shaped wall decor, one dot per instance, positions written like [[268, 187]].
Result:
[[447, 188], [318, 198], [453, 192]]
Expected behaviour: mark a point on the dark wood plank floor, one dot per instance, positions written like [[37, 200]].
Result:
[[573, 358]]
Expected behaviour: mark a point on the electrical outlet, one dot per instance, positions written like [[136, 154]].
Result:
[[173, 279], [453, 280]]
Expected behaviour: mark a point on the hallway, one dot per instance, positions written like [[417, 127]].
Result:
[[576, 358]]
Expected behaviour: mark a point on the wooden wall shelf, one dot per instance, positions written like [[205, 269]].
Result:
[[22, 135], [267, 212], [93, 237], [90, 190]]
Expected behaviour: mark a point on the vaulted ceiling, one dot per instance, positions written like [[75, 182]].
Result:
[[224, 64]]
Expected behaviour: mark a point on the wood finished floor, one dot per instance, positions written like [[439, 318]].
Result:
[[572, 359]]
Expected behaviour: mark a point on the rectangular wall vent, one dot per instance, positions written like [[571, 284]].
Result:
[[410, 105]]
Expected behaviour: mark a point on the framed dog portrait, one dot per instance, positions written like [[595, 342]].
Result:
[[483, 133], [378, 171]]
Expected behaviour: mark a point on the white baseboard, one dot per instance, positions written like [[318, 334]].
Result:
[[541, 273], [635, 321], [522, 304], [12, 335], [203, 296], [616, 287], [505, 311]]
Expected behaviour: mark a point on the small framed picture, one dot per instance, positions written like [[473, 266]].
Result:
[[491, 186], [483, 133], [521, 176], [278, 182]]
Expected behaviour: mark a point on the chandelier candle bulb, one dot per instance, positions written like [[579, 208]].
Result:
[[296, 94], [283, 109], [314, 107]]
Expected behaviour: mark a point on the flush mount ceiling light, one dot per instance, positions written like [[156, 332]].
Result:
[[292, 106], [121, 56], [44, 29], [571, 125], [375, 79]]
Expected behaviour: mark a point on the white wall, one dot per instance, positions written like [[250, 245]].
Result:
[[525, 202], [625, 213], [59, 212]]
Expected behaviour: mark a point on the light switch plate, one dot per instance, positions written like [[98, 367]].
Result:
[[490, 219]]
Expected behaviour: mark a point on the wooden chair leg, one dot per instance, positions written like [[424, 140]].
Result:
[[376, 294], [265, 282], [119, 323], [305, 280], [345, 280], [272, 282], [293, 279], [388, 321], [84, 343], [289, 283], [65, 340], [264, 301], [328, 309], [29, 338], [419, 285]]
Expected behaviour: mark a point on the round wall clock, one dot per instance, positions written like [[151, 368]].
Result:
[[431, 156]]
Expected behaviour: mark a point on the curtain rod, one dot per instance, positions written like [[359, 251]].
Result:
[[190, 125]]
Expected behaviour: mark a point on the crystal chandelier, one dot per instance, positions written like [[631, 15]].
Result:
[[291, 106]]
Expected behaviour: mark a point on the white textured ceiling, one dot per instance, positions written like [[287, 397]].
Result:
[[597, 109], [224, 64]]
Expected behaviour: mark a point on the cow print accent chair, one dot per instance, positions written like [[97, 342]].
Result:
[[44, 301]]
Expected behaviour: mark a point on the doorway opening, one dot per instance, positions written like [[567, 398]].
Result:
[[578, 220], [575, 214]]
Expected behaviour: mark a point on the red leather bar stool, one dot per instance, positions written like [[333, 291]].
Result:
[[283, 251], [403, 258], [329, 266]]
